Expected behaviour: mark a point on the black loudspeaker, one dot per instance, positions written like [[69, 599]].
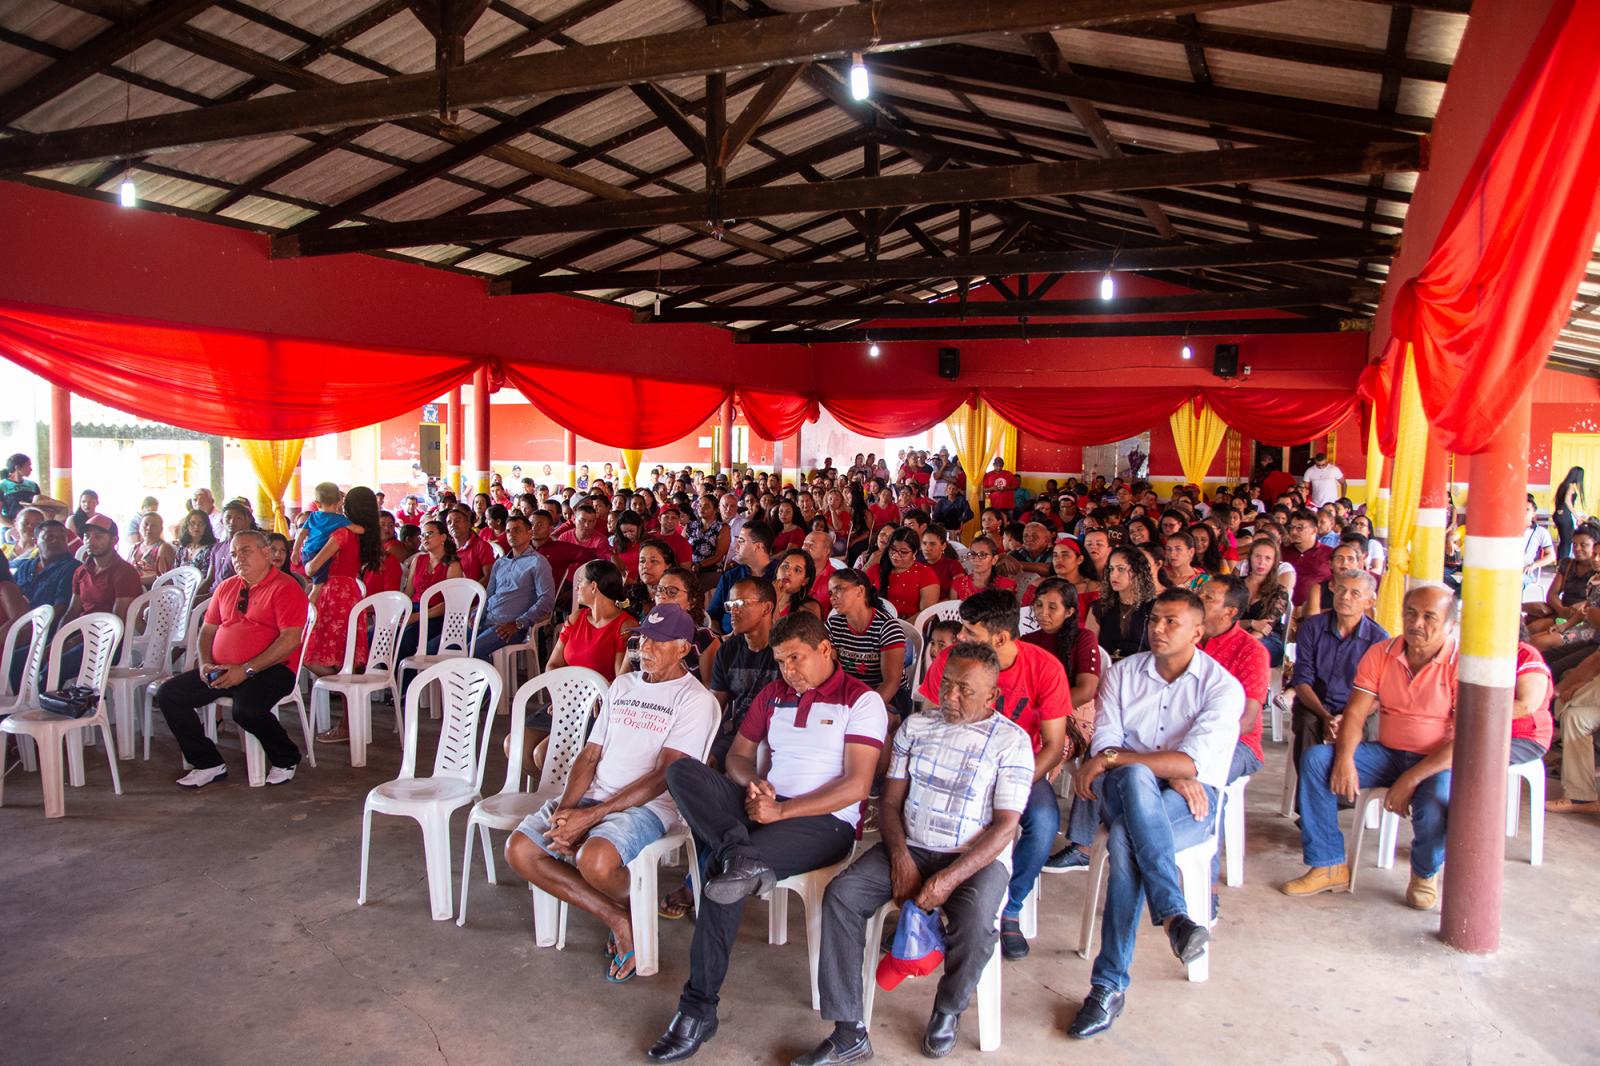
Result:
[[950, 363], [1225, 362]]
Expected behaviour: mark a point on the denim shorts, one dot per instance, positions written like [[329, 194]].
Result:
[[629, 831]]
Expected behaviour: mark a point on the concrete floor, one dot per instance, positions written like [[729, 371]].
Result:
[[221, 927]]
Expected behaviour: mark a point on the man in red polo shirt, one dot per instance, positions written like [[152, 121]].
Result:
[[249, 653], [473, 551], [106, 581], [1034, 693]]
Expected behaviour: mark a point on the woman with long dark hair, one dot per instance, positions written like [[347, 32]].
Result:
[[350, 557], [1122, 613], [911, 587], [1567, 511], [860, 537], [793, 580], [869, 642]]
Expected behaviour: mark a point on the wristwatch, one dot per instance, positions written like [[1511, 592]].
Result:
[[1111, 755], [249, 671]]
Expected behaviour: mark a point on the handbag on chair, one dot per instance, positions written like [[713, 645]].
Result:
[[74, 701]]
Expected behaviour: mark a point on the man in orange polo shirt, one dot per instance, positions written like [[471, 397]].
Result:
[[1410, 681]]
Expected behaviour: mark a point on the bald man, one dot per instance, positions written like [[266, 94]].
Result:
[[1409, 681]]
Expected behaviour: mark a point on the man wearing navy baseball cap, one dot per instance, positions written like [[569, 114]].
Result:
[[578, 847]]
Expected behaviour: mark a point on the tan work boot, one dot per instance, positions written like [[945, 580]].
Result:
[[1423, 892], [1319, 879]]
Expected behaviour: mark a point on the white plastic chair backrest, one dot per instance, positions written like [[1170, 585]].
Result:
[[944, 610], [100, 632], [305, 640], [390, 613], [37, 623], [191, 638], [1105, 661], [913, 640], [466, 685], [151, 620], [185, 579], [499, 552], [575, 694], [464, 600], [1030, 622], [836, 563]]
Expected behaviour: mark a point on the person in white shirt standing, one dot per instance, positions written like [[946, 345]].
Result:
[[578, 847], [1166, 723], [1326, 481]]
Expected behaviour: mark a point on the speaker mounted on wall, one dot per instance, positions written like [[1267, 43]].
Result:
[[950, 363], [1225, 361]]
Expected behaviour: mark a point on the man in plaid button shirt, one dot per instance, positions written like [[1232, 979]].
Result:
[[957, 784]]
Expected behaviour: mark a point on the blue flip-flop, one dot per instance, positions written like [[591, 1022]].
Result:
[[618, 961]]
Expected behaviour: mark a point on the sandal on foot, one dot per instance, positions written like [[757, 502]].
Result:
[[617, 962]]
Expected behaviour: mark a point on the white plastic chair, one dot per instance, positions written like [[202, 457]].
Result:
[[100, 633], [913, 637], [1532, 772], [1233, 832], [987, 998], [146, 658], [255, 756], [507, 660], [467, 685], [643, 899], [945, 610], [1369, 814], [1194, 873], [191, 660], [574, 691], [1291, 781], [390, 613], [186, 579], [464, 600], [36, 623]]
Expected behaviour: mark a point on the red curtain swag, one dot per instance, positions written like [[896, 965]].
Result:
[[1086, 416], [1499, 283], [617, 410], [897, 414], [776, 415]]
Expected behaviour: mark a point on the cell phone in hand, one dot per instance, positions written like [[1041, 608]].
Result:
[[212, 675]]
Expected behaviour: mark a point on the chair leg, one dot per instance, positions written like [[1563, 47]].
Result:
[[50, 781], [1513, 804], [694, 873], [488, 853], [4, 747], [1388, 840], [642, 903], [358, 720], [1233, 843], [30, 754], [255, 759], [778, 917], [116, 775], [869, 963], [149, 720], [545, 917], [1196, 881], [1291, 779], [989, 1004], [121, 695], [811, 899], [1091, 899], [306, 736], [466, 872], [366, 853], [1030, 910], [436, 854], [1536, 818], [74, 742]]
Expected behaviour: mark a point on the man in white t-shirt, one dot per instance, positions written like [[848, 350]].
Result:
[[1326, 480], [578, 847], [822, 730]]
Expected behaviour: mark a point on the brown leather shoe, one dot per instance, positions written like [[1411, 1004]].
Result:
[[1423, 892], [1319, 879]]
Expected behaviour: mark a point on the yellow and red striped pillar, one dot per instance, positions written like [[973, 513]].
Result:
[[725, 443], [569, 444], [61, 445], [453, 446], [1491, 596], [1427, 534], [480, 430]]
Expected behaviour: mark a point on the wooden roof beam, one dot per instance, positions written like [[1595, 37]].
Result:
[[1196, 327]]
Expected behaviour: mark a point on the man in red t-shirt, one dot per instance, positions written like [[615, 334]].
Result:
[[1243, 656], [250, 654], [1035, 694], [1000, 487], [473, 551], [668, 529], [106, 581]]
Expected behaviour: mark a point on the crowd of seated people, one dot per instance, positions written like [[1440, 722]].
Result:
[[1107, 645]]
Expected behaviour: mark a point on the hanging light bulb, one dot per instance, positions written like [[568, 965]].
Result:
[[1108, 287], [1187, 352], [127, 195], [859, 85], [658, 305], [873, 350]]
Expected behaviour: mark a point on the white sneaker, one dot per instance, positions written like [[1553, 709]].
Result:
[[280, 776], [202, 778]]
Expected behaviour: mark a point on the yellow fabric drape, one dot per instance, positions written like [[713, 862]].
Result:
[[1332, 447], [1008, 445], [631, 458], [1405, 493], [977, 431], [1197, 431], [274, 463], [1235, 455], [1374, 469]]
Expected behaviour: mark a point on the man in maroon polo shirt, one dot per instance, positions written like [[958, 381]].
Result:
[[106, 581], [1312, 562]]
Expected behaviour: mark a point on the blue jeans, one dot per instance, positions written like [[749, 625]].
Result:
[[1148, 825], [1322, 844], [1273, 642], [489, 642], [1041, 821]]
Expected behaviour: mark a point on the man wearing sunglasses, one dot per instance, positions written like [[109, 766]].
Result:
[[249, 653]]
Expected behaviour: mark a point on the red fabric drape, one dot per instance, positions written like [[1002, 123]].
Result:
[[1086, 416], [1375, 387], [1499, 283], [898, 414], [776, 415], [1282, 418], [237, 384], [618, 410]]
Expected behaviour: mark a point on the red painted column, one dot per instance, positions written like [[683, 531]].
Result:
[[570, 456], [61, 445], [453, 446], [480, 430], [1491, 591], [725, 453]]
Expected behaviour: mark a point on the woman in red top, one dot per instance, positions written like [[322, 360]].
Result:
[[983, 556], [791, 531], [795, 576], [352, 559], [1069, 563], [884, 512], [909, 586], [597, 636], [838, 516]]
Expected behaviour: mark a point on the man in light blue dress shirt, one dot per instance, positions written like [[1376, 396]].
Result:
[[522, 592]]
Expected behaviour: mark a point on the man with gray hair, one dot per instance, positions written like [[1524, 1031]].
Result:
[[249, 653], [1410, 683], [1327, 648]]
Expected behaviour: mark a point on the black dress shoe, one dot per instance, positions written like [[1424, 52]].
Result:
[[743, 874], [1100, 1008], [836, 1051], [940, 1038], [1188, 938], [683, 1038], [1013, 945]]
